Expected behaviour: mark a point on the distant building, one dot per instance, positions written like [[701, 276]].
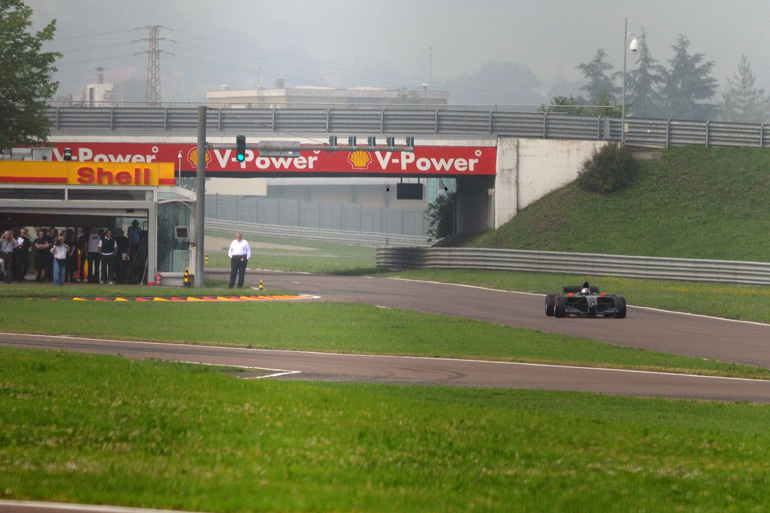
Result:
[[101, 95], [281, 97]]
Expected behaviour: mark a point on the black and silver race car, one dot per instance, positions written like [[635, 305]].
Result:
[[585, 301]]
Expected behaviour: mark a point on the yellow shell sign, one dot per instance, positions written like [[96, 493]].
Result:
[[87, 173], [360, 159]]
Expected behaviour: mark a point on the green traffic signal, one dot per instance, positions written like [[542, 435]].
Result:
[[240, 148]]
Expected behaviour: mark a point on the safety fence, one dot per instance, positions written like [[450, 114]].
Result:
[[368, 239], [183, 121], [656, 268]]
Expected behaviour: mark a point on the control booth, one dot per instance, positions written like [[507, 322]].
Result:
[[36, 192]]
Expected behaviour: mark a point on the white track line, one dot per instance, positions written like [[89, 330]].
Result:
[[79, 507]]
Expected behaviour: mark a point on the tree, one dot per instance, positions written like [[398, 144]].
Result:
[[688, 84], [742, 102], [599, 82], [26, 84], [642, 83], [580, 107], [441, 216], [567, 105]]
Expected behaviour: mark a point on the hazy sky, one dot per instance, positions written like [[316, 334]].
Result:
[[349, 43]]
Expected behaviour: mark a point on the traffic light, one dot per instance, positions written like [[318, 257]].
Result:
[[240, 148]]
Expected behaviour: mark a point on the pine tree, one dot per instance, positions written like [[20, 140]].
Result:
[[643, 83], [25, 76], [688, 85], [600, 85], [742, 102]]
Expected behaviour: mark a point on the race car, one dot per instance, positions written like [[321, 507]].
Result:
[[585, 301]]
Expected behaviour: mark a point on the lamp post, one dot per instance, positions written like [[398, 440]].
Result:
[[179, 170], [633, 46]]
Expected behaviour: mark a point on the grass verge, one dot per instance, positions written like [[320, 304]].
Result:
[[106, 430], [332, 327]]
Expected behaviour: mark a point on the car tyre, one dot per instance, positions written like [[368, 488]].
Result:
[[560, 307], [550, 303], [620, 306]]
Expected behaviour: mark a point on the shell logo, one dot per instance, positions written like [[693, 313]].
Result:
[[192, 157], [360, 159]]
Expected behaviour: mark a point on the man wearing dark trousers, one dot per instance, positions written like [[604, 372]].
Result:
[[239, 254]]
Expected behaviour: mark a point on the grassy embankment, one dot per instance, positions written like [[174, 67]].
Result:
[[692, 203]]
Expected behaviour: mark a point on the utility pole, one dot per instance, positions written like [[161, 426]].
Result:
[[430, 50], [200, 198]]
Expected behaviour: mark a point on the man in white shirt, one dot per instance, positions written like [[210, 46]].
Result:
[[239, 254]]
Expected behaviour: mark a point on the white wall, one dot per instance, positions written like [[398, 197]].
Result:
[[245, 186], [528, 169]]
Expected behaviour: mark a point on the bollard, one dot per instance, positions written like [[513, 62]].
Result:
[[260, 284], [207, 259], [186, 276]]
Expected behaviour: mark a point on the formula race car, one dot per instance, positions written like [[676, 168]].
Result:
[[585, 301]]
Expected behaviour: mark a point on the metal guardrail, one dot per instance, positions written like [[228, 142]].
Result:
[[655, 268], [655, 133], [368, 239]]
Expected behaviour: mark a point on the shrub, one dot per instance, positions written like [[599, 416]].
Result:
[[610, 169]]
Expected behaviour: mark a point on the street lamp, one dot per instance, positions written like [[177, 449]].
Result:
[[633, 45], [179, 169]]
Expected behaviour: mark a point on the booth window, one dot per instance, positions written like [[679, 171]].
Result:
[[31, 194], [109, 195], [173, 251]]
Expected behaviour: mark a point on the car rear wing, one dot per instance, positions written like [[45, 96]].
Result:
[[577, 289]]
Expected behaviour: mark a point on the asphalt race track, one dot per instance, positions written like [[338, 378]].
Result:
[[698, 336]]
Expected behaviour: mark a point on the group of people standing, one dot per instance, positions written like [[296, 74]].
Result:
[[95, 256], [14, 255]]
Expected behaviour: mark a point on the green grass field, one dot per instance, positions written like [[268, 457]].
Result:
[[93, 429]]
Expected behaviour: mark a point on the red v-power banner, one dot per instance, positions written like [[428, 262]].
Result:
[[424, 161]]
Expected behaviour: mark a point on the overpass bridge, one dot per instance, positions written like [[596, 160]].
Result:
[[502, 159]]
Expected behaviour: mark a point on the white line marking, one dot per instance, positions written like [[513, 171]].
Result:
[[275, 372], [80, 507]]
